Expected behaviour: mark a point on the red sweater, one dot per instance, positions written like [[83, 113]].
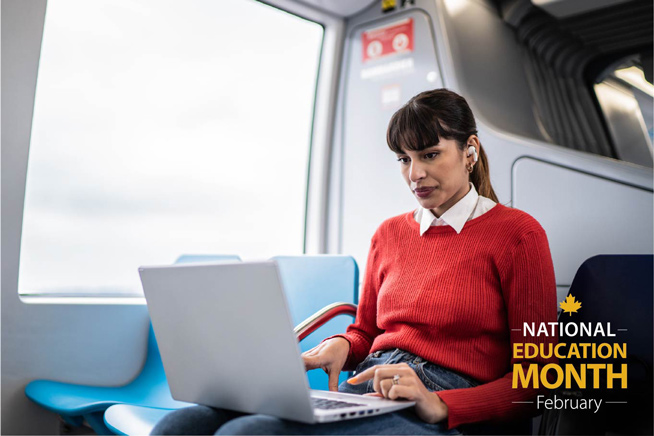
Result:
[[454, 299]]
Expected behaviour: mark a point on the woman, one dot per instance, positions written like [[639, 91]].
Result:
[[447, 289]]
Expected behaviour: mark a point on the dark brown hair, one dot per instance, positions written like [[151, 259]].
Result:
[[432, 115]]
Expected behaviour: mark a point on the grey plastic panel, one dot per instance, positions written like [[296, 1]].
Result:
[[486, 66], [583, 215], [372, 187]]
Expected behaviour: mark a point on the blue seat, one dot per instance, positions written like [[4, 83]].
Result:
[[311, 283], [133, 420], [79, 403]]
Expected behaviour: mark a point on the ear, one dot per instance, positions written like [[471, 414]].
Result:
[[473, 141], [473, 148]]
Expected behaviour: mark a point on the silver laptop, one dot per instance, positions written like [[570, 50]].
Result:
[[226, 340]]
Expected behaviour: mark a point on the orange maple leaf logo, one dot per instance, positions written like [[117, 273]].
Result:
[[570, 305]]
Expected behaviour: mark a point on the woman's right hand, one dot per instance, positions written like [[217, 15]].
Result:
[[329, 355]]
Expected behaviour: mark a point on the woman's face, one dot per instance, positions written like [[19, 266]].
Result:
[[437, 176]]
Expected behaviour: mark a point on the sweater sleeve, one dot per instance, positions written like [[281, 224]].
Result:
[[529, 292], [363, 331]]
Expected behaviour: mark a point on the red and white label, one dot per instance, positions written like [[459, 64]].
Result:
[[388, 40]]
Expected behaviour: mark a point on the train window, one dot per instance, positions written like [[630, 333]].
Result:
[[643, 91], [164, 128], [625, 98]]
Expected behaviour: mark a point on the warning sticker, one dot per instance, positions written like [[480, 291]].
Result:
[[388, 40]]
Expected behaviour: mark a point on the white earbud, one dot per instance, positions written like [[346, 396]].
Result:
[[472, 151]]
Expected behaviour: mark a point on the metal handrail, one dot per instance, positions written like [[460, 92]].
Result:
[[312, 323]]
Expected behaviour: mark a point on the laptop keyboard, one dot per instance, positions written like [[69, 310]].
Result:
[[323, 403]]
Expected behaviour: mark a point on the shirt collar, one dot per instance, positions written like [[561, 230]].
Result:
[[456, 216]]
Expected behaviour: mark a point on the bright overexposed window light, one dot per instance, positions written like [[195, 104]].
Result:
[[162, 128], [635, 77], [455, 7]]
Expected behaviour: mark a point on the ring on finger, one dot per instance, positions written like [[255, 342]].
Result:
[[396, 379]]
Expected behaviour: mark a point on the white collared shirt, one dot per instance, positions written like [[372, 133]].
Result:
[[469, 207]]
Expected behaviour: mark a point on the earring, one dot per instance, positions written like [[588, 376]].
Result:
[[469, 168]]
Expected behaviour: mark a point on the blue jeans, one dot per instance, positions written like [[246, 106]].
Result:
[[206, 420]]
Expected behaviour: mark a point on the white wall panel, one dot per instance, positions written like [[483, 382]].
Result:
[[373, 188]]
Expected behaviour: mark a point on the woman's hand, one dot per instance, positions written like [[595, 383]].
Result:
[[330, 356], [429, 407]]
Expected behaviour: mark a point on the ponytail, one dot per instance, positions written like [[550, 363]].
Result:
[[480, 177]]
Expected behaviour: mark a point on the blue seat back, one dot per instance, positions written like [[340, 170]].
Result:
[[77, 403], [311, 283], [617, 289], [614, 289]]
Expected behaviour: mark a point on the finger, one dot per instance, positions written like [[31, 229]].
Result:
[[361, 377], [333, 380], [389, 371], [385, 371], [364, 376], [385, 386], [373, 394], [376, 381], [385, 375], [398, 392]]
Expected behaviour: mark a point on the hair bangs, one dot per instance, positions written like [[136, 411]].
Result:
[[414, 127]]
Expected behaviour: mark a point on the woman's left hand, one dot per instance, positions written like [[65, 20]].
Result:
[[429, 406]]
